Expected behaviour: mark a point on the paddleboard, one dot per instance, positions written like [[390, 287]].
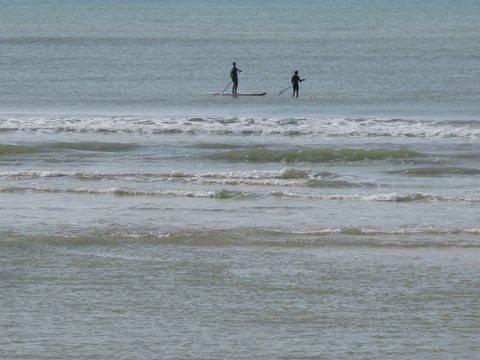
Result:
[[240, 94]]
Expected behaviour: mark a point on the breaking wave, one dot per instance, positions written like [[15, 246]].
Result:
[[363, 127], [231, 194], [286, 177]]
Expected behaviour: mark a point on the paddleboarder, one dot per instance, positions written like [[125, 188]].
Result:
[[234, 75], [295, 81]]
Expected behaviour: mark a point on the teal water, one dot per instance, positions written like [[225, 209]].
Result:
[[142, 217]]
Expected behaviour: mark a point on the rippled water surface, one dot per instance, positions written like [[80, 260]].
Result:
[[141, 217]]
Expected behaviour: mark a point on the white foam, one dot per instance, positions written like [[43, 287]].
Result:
[[243, 126]]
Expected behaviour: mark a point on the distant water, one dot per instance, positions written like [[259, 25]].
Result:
[[359, 58], [141, 217]]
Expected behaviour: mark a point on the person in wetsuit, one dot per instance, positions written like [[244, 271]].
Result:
[[295, 81], [234, 75]]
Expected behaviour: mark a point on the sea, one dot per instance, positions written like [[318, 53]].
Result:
[[141, 217]]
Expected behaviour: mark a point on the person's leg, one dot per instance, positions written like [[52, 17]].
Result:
[[235, 86]]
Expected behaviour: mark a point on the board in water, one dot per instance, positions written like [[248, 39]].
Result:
[[241, 94]]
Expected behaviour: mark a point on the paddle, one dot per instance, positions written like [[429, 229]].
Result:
[[281, 92], [227, 86]]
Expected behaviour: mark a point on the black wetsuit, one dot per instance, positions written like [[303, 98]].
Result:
[[234, 76], [295, 81]]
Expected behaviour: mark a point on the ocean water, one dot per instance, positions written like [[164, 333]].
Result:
[[142, 217]]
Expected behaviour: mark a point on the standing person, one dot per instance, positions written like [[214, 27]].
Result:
[[295, 81], [234, 75]]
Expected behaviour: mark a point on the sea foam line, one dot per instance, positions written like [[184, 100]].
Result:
[[280, 178], [391, 197], [366, 127], [231, 194], [115, 191]]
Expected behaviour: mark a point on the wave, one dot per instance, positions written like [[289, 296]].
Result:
[[314, 155], [222, 194], [437, 171], [11, 149], [91, 146], [402, 238], [392, 197], [214, 146], [363, 127], [285, 177], [235, 195]]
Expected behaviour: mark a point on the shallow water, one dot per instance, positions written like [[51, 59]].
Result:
[[177, 237]]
